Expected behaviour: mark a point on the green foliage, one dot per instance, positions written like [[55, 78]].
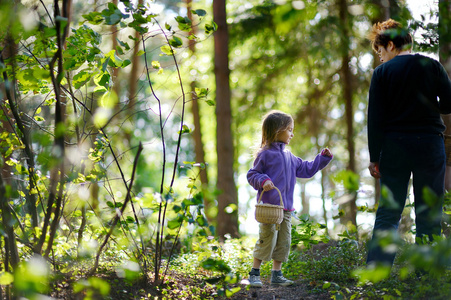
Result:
[[220, 265], [92, 288], [349, 179], [94, 190], [307, 233], [32, 277]]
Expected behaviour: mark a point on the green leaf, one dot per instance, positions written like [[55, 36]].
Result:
[[372, 274], [187, 202], [166, 49], [125, 63], [113, 19], [123, 44], [176, 223], [100, 285], [175, 42], [119, 50], [41, 73], [81, 78], [210, 28], [185, 129], [27, 79], [201, 92], [349, 179], [198, 199], [177, 208], [199, 12], [139, 18], [105, 63], [183, 20], [94, 18], [155, 64], [201, 220], [231, 292], [6, 278], [102, 80], [216, 265], [113, 15]]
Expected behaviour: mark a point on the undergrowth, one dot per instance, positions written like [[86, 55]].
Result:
[[210, 270], [338, 267]]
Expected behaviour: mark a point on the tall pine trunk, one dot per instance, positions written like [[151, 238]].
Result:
[[350, 207], [197, 132], [227, 219]]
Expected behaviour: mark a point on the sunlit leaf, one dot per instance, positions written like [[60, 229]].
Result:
[[166, 49], [231, 292], [155, 64], [372, 274], [81, 78], [6, 278]]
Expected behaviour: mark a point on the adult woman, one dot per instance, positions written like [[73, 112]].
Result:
[[405, 134]]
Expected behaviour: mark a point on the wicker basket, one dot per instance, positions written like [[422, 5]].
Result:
[[269, 213]]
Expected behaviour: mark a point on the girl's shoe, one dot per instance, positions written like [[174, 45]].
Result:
[[278, 279], [254, 281]]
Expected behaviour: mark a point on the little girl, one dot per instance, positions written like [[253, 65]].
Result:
[[276, 166]]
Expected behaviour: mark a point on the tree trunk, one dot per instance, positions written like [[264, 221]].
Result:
[[197, 132], [350, 207], [11, 252], [134, 74], [228, 199], [9, 52]]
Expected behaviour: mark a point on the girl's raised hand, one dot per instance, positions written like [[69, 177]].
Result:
[[326, 152]]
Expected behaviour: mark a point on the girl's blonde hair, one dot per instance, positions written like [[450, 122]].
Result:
[[273, 122]]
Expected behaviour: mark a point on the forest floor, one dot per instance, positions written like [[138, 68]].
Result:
[[179, 289], [177, 286]]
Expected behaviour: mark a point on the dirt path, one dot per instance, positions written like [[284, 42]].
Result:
[[298, 291]]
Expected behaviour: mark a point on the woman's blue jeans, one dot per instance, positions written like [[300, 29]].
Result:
[[423, 157]]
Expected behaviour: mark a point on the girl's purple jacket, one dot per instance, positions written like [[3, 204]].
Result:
[[282, 167]]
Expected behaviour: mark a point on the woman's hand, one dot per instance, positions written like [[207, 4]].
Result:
[[374, 170], [268, 185]]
